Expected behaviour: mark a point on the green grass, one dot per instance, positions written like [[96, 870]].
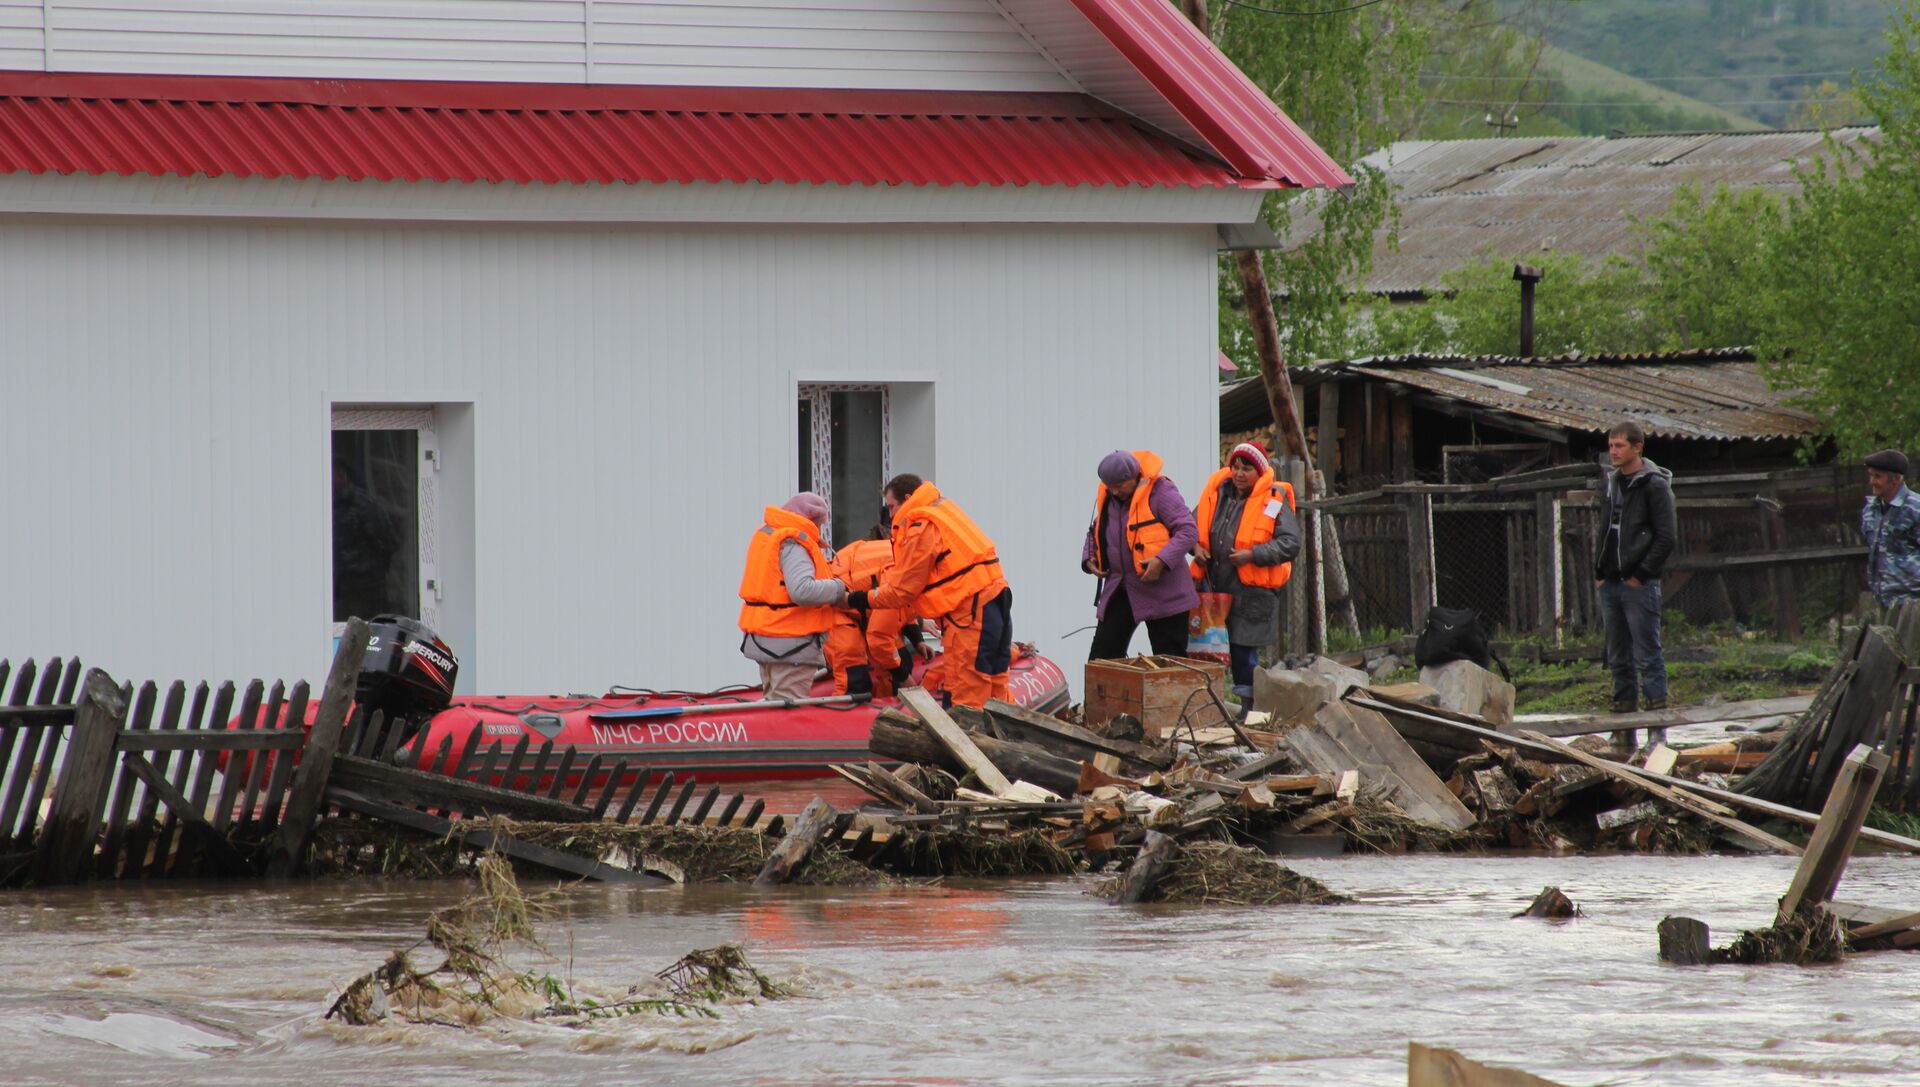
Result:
[[1738, 670]]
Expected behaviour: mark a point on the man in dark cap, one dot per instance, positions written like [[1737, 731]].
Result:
[[1890, 525]]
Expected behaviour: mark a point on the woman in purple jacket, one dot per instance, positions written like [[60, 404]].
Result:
[[1138, 543]]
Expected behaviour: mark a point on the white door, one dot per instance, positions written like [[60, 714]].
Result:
[[385, 460]]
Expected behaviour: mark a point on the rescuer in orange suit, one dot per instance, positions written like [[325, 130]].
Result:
[[945, 568], [863, 647]]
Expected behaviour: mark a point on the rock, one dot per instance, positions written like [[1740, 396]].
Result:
[[1290, 697], [1381, 666], [1466, 687], [1344, 678]]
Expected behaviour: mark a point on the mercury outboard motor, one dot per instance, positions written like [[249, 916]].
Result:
[[407, 673]]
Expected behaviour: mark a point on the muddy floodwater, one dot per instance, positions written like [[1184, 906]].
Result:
[[1003, 982]]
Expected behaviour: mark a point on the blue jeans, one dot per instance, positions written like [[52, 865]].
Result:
[[1243, 659], [1632, 618]]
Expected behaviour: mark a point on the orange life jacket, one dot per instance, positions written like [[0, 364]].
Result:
[[1146, 535], [1255, 528], [860, 562], [967, 562], [765, 607]]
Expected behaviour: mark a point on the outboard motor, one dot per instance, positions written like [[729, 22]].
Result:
[[407, 673]]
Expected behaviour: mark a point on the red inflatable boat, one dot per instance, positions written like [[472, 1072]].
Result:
[[726, 735]]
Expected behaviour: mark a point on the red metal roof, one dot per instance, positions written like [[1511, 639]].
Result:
[[1236, 118], [388, 130]]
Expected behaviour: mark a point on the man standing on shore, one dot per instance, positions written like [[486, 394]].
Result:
[[1890, 525], [1636, 536]]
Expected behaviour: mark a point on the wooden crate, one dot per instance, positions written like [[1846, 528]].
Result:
[[1158, 691]]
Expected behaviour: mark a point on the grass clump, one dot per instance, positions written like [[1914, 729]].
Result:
[[1809, 936], [1223, 874]]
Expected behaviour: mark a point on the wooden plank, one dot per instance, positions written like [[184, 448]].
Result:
[[233, 772], [140, 834], [1818, 875], [280, 772], [587, 777], [1072, 740], [1862, 710], [54, 716], [752, 818], [1419, 559], [204, 767], [114, 830], [786, 857], [633, 793], [1790, 557], [65, 852], [228, 859], [1682, 715], [1684, 941], [486, 775], [610, 790], [215, 739], [464, 765], [680, 803], [14, 811], [182, 773], [727, 813], [256, 766], [559, 775], [1892, 925], [415, 788], [659, 798], [487, 840], [955, 741], [1416, 782], [1713, 812], [316, 759], [518, 755], [1430, 1067]]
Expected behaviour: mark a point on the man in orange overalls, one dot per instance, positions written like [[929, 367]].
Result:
[[945, 568], [863, 647]]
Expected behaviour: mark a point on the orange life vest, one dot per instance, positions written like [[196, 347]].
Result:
[[1146, 535], [765, 607], [1255, 528], [967, 562], [859, 563]]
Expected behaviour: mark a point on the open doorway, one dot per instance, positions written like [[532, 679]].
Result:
[[382, 516]]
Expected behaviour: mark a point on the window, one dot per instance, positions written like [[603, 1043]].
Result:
[[844, 453]]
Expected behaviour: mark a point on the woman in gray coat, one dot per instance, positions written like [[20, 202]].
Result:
[[1249, 536]]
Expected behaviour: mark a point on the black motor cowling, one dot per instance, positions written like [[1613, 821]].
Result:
[[408, 670]]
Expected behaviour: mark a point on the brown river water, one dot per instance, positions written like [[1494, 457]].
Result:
[[984, 982]]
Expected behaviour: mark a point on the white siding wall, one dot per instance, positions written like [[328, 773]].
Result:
[[898, 44], [21, 42], [168, 385]]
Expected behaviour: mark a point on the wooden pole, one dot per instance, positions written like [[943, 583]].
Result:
[[1149, 865], [1833, 836], [1684, 941], [316, 761], [65, 854], [1419, 558]]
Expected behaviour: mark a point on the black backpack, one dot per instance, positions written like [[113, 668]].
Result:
[[1455, 634]]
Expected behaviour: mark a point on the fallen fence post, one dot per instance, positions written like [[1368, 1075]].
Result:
[[957, 741], [65, 854], [316, 761], [786, 857], [1148, 866], [1832, 843]]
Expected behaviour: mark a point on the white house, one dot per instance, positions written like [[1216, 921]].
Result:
[[545, 299]]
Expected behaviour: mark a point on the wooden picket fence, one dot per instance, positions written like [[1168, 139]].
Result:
[[141, 783]]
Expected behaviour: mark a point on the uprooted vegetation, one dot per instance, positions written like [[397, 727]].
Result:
[[1223, 874], [483, 942]]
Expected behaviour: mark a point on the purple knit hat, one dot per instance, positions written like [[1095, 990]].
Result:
[[1117, 467], [808, 505]]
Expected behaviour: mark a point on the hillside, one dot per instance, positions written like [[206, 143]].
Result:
[[1753, 57], [1598, 83]]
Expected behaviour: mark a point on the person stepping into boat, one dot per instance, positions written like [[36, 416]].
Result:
[[1248, 540], [787, 596], [946, 569], [1141, 530]]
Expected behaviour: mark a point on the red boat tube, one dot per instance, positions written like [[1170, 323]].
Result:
[[710, 736]]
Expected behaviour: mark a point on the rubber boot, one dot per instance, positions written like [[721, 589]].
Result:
[[860, 681]]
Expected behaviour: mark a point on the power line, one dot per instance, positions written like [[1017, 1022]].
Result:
[[1477, 102], [1642, 78], [1283, 11]]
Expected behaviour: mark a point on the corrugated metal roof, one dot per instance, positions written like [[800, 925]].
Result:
[[1235, 117], [540, 133], [1716, 394], [1462, 200]]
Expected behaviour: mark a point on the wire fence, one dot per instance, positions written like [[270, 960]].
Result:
[[1776, 551]]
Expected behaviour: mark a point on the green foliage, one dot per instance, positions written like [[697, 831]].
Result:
[[1843, 316], [1335, 76], [1706, 266], [1578, 305]]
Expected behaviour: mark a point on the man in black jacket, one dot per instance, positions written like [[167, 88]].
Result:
[[1636, 538]]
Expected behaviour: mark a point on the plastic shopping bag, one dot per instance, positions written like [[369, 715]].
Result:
[[1207, 627]]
